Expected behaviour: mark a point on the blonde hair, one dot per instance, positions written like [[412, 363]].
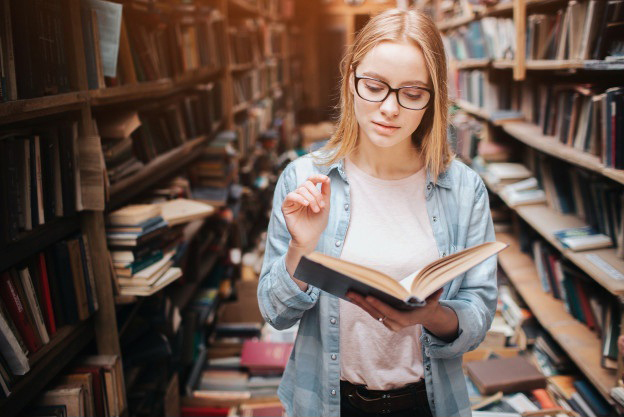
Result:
[[430, 137]]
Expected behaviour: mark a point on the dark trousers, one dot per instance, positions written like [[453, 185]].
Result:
[[367, 403]]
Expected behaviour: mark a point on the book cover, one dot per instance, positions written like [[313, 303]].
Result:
[[259, 355], [337, 276], [505, 374]]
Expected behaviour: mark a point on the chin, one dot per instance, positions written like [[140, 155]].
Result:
[[383, 141]]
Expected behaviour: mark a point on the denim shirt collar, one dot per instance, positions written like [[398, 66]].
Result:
[[443, 179]]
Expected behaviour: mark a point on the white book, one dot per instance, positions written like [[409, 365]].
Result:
[[32, 301], [11, 350], [583, 405], [520, 403], [578, 243]]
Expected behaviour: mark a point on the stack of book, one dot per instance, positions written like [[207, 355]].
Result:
[[116, 131], [143, 260]]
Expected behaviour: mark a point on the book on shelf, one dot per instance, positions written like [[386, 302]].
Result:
[[523, 192], [505, 374], [582, 238], [337, 276]]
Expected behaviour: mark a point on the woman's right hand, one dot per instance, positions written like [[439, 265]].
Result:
[[306, 212]]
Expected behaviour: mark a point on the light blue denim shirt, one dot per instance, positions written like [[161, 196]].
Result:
[[458, 208]]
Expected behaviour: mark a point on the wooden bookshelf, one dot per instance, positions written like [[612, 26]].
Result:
[[243, 8], [46, 364], [546, 221], [532, 136], [581, 344], [157, 169], [18, 110], [465, 64], [503, 64], [500, 9], [472, 109], [242, 67], [38, 239], [552, 65], [456, 22]]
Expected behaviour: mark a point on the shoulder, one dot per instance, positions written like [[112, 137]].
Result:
[[463, 180]]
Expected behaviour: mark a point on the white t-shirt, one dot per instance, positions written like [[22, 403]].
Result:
[[389, 231]]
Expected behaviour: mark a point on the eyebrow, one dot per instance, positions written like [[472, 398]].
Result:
[[382, 78]]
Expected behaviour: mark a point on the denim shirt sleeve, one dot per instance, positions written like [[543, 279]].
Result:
[[281, 301], [475, 301]]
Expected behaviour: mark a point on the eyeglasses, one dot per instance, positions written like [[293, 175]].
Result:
[[409, 97]]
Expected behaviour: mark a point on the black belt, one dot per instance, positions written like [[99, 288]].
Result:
[[385, 402]]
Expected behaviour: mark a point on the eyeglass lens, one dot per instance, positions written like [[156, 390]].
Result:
[[413, 98]]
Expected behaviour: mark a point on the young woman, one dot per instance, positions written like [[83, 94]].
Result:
[[392, 198]]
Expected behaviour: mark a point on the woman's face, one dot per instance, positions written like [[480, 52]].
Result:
[[386, 124]]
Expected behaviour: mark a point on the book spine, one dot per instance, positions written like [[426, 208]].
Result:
[[15, 308], [46, 295], [33, 304]]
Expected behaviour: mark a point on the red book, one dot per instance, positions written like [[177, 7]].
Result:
[[188, 411], [544, 400], [46, 298], [584, 302], [16, 310], [259, 355], [99, 387]]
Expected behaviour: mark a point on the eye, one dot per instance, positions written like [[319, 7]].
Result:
[[413, 93], [374, 86]]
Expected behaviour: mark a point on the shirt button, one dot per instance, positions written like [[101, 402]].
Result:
[[333, 356], [332, 320], [443, 254], [333, 392], [435, 219], [429, 187], [427, 340], [346, 206], [338, 243], [428, 368]]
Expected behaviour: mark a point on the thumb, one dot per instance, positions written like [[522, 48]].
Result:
[[326, 189]]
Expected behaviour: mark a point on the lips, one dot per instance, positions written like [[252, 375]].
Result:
[[385, 129]]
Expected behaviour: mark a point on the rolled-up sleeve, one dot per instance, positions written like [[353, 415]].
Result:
[[281, 301], [475, 302]]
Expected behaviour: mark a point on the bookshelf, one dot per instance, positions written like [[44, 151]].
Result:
[[534, 65], [577, 340], [137, 85]]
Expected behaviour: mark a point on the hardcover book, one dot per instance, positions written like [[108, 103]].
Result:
[[505, 374], [337, 276]]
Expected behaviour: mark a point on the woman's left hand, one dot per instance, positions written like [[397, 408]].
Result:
[[394, 319]]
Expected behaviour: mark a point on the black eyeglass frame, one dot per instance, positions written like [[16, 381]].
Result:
[[391, 90]]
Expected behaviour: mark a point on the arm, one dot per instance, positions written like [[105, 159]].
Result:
[[475, 302], [283, 299]]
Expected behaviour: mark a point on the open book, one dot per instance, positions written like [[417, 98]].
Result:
[[337, 276]]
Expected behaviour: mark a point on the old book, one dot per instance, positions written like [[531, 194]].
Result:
[[505, 374], [78, 278], [10, 348], [133, 214], [181, 210], [582, 238], [85, 381], [98, 382], [32, 303], [338, 276], [113, 376], [165, 279], [259, 355], [71, 396]]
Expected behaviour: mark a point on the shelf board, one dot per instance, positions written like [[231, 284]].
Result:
[[46, 364], [243, 7], [546, 221], [17, 110], [472, 109], [472, 64], [240, 107], [456, 22], [38, 239], [532, 136], [150, 89], [499, 9], [241, 67], [581, 344], [157, 169], [503, 63], [553, 64]]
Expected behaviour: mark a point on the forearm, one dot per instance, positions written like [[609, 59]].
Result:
[[444, 324], [293, 256]]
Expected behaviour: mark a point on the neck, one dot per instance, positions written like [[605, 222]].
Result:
[[387, 163]]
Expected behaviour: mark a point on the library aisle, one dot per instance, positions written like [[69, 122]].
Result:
[[140, 146]]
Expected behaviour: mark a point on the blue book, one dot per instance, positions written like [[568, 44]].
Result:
[[592, 398]]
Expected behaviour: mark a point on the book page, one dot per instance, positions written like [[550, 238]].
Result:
[[109, 25]]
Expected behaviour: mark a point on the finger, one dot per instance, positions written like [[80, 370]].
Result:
[[308, 196], [315, 192], [294, 199], [318, 178], [384, 309], [326, 189], [361, 302], [435, 296]]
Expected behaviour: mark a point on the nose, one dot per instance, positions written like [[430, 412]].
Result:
[[390, 106]]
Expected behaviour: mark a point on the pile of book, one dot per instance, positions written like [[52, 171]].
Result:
[[146, 243], [116, 131]]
